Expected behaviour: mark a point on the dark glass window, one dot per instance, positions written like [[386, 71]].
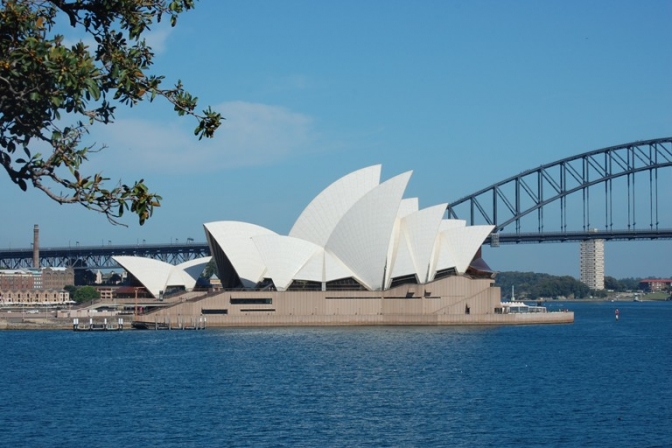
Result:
[[214, 311], [251, 301]]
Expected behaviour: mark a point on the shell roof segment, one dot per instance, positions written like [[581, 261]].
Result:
[[284, 256], [235, 240], [417, 234], [156, 275], [322, 215], [356, 228], [460, 244], [362, 237]]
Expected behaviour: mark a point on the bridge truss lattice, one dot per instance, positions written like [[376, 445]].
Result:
[[620, 184]]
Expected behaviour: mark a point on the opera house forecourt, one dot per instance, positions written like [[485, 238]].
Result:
[[359, 254]]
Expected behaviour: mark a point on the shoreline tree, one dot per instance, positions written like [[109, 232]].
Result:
[[52, 93], [85, 294]]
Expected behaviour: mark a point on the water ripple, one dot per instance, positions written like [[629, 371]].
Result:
[[594, 383]]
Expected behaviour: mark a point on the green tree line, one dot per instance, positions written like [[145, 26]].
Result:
[[532, 286]]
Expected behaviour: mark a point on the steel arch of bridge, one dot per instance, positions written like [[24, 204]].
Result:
[[504, 204]]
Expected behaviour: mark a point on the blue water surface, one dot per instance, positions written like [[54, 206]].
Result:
[[597, 382]]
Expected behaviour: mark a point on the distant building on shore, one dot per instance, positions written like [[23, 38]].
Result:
[[592, 263], [655, 284], [35, 286]]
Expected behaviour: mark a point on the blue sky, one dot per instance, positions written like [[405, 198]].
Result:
[[464, 93]]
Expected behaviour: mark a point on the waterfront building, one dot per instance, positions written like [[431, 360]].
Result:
[[592, 263], [106, 292], [56, 278], [34, 297], [35, 286], [357, 234], [655, 284], [359, 253], [16, 280]]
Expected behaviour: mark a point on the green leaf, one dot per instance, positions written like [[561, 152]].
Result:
[[55, 82]]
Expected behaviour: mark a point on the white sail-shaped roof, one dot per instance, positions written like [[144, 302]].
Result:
[[156, 275], [323, 267], [443, 257], [356, 228], [313, 269], [335, 269], [451, 224], [186, 274], [421, 229], [414, 251], [407, 206], [151, 273], [320, 217], [361, 238], [284, 256], [235, 240], [460, 245], [194, 268], [401, 262]]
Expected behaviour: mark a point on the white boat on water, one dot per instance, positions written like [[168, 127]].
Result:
[[514, 306]]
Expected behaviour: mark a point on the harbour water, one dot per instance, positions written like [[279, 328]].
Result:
[[597, 382]]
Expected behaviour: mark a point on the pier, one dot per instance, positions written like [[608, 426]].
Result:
[[97, 325]]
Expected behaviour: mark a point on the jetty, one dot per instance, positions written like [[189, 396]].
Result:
[[97, 325]]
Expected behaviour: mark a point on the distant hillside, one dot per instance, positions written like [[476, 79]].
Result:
[[532, 286]]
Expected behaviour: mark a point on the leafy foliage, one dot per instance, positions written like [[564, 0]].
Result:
[[71, 289], [532, 285], [624, 284], [44, 83], [114, 279], [86, 293], [84, 277], [210, 269]]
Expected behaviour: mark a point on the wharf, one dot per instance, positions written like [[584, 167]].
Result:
[[98, 326]]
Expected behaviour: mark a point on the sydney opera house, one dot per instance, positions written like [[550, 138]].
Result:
[[359, 253]]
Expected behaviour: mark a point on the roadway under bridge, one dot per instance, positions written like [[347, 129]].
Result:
[[616, 193], [100, 257]]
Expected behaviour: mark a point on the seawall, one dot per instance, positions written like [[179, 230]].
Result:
[[256, 320], [271, 320], [36, 324]]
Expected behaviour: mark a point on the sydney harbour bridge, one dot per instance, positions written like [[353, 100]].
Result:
[[621, 192]]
